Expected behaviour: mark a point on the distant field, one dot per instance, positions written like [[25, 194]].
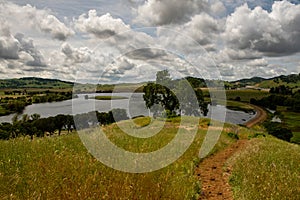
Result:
[[245, 94], [61, 168], [271, 83], [267, 169]]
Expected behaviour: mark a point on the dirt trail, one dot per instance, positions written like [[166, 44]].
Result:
[[260, 116], [213, 177]]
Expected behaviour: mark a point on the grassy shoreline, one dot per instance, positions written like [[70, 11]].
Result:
[[108, 98]]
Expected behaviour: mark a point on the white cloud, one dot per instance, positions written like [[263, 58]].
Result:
[[50, 24], [249, 42], [277, 32], [31, 17], [9, 46], [27, 46], [202, 28], [158, 12], [258, 62], [76, 55], [100, 26]]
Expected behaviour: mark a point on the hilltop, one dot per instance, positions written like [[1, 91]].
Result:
[[34, 82], [292, 80]]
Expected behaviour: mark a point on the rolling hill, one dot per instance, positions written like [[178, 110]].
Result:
[[33, 82], [292, 80]]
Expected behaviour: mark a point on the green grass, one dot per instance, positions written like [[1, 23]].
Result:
[[107, 98], [3, 111], [244, 94], [267, 169], [296, 138], [61, 167], [142, 121], [271, 83], [291, 120]]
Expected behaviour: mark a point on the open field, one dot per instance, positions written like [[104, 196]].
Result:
[[61, 168], [244, 94], [271, 83], [267, 168]]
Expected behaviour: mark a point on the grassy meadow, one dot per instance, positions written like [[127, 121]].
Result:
[[267, 169], [62, 168], [244, 94]]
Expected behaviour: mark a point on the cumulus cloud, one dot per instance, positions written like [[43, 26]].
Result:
[[118, 69], [76, 55], [272, 33], [9, 46], [50, 24], [229, 54], [202, 28], [160, 12], [100, 26], [27, 46], [43, 20]]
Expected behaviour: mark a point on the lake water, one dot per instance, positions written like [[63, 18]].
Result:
[[134, 105]]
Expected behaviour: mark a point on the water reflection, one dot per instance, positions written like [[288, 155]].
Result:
[[134, 105]]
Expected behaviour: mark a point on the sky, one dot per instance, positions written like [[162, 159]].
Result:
[[100, 41]]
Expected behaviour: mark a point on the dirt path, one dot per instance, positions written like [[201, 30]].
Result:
[[214, 179], [260, 116]]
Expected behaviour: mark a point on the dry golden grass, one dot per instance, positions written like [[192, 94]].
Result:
[[267, 169]]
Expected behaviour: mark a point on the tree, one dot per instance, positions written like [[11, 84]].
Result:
[[174, 96], [35, 117], [159, 93], [278, 131], [59, 122]]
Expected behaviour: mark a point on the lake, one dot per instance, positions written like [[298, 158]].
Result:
[[134, 105]]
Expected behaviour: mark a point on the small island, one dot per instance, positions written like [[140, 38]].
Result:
[[108, 98]]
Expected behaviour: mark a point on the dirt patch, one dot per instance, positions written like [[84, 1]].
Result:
[[214, 178]]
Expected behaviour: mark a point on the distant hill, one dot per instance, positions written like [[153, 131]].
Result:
[[292, 80], [249, 81], [32, 82]]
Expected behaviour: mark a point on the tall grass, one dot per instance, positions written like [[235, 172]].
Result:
[[61, 168], [267, 169]]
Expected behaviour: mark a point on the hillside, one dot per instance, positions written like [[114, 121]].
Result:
[[267, 168], [33, 82], [61, 167], [292, 80]]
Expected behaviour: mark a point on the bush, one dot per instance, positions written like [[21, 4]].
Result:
[[278, 131], [233, 135]]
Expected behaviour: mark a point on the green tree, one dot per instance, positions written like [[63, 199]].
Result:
[[174, 96], [160, 93]]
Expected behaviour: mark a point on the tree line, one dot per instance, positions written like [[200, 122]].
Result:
[[35, 126], [291, 101], [11, 105]]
